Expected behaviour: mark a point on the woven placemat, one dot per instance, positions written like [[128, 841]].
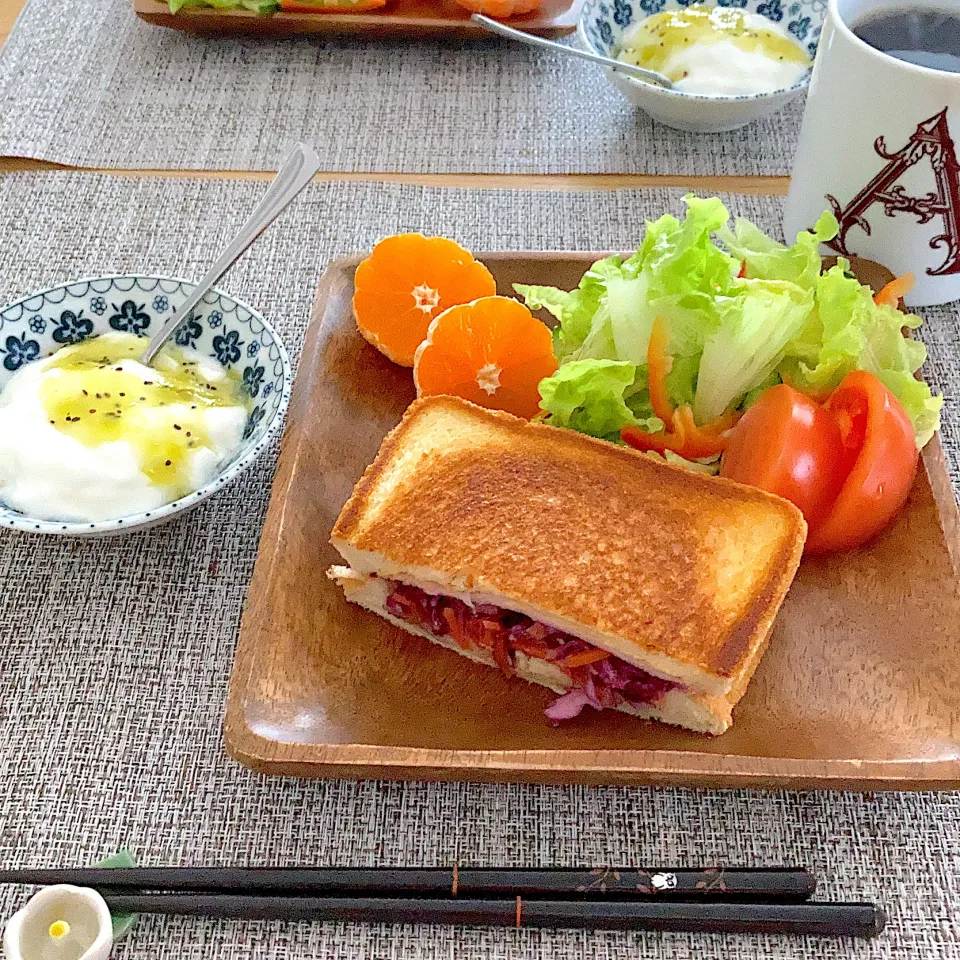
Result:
[[85, 82], [115, 653]]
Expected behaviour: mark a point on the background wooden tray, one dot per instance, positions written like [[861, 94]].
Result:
[[414, 18], [860, 688]]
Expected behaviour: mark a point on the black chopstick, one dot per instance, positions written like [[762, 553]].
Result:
[[766, 885], [813, 919]]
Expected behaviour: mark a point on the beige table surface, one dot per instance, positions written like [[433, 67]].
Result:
[[768, 185]]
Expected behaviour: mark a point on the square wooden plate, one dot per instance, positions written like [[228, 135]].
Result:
[[860, 687], [409, 18]]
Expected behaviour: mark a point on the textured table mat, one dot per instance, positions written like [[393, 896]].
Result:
[[115, 654], [85, 82]]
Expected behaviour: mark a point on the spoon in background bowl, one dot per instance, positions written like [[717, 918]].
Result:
[[627, 69], [294, 174]]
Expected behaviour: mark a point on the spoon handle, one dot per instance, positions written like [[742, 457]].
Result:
[[627, 69], [295, 173]]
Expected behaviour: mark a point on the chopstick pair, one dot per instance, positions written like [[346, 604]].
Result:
[[771, 900], [768, 885]]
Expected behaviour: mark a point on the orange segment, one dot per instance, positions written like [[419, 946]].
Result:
[[493, 352], [500, 8], [408, 280]]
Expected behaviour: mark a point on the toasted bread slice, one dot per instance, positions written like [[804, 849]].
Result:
[[676, 573]]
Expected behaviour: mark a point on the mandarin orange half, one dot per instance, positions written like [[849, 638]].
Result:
[[500, 9], [407, 280], [493, 352]]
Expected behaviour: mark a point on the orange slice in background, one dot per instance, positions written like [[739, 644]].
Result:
[[493, 352], [500, 8], [408, 280]]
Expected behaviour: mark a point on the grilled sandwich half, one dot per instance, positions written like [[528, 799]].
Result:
[[617, 581]]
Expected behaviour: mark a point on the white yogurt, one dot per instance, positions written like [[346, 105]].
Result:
[[716, 50], [59, 471]]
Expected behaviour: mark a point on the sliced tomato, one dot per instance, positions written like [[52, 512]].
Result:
[[788, 445], [849, 464], [878, 459]]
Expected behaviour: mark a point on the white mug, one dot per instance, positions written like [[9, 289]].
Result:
[[879, 147]]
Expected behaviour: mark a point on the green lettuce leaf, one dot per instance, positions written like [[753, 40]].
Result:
[[680, 256], [677, 274], [588, 395], [682, 379], [921, 405], [766, 259], [851, 332], [575, 310], [257, 6], [756, 326], [729, 337], [630, 317], [751, 396]]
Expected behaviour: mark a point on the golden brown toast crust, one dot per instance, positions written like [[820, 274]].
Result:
[[671, 561]]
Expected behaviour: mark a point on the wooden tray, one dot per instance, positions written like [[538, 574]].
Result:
[[860, 688], [413, 18]]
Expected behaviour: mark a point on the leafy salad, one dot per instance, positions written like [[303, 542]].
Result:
[[265, 7], [741, 313], [257, 6]]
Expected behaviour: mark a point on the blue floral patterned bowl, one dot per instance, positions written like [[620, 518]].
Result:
[[603, 23], [222, 327]]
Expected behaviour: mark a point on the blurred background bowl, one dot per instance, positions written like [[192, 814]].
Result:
[[603, 23]]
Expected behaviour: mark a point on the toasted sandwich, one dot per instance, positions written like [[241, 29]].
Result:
[[616, 580]]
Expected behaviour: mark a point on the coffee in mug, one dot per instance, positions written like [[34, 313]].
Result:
[[926, 38]]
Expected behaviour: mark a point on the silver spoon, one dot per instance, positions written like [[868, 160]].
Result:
[[627, 69], [294, 174]]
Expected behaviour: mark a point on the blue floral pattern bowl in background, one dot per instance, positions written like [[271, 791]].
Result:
[[223, 328], [603, 23]]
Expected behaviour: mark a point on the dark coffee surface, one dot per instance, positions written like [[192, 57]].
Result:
[[928, 38]]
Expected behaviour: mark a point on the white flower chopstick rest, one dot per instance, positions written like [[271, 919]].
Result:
[[62, 922]]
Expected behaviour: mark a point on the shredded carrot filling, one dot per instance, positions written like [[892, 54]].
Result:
[[582, 659], [454, 626]]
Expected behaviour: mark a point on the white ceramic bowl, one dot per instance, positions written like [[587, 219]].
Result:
[[222, 327], [603, 23]]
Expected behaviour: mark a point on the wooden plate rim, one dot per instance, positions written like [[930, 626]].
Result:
[[665, 767]]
